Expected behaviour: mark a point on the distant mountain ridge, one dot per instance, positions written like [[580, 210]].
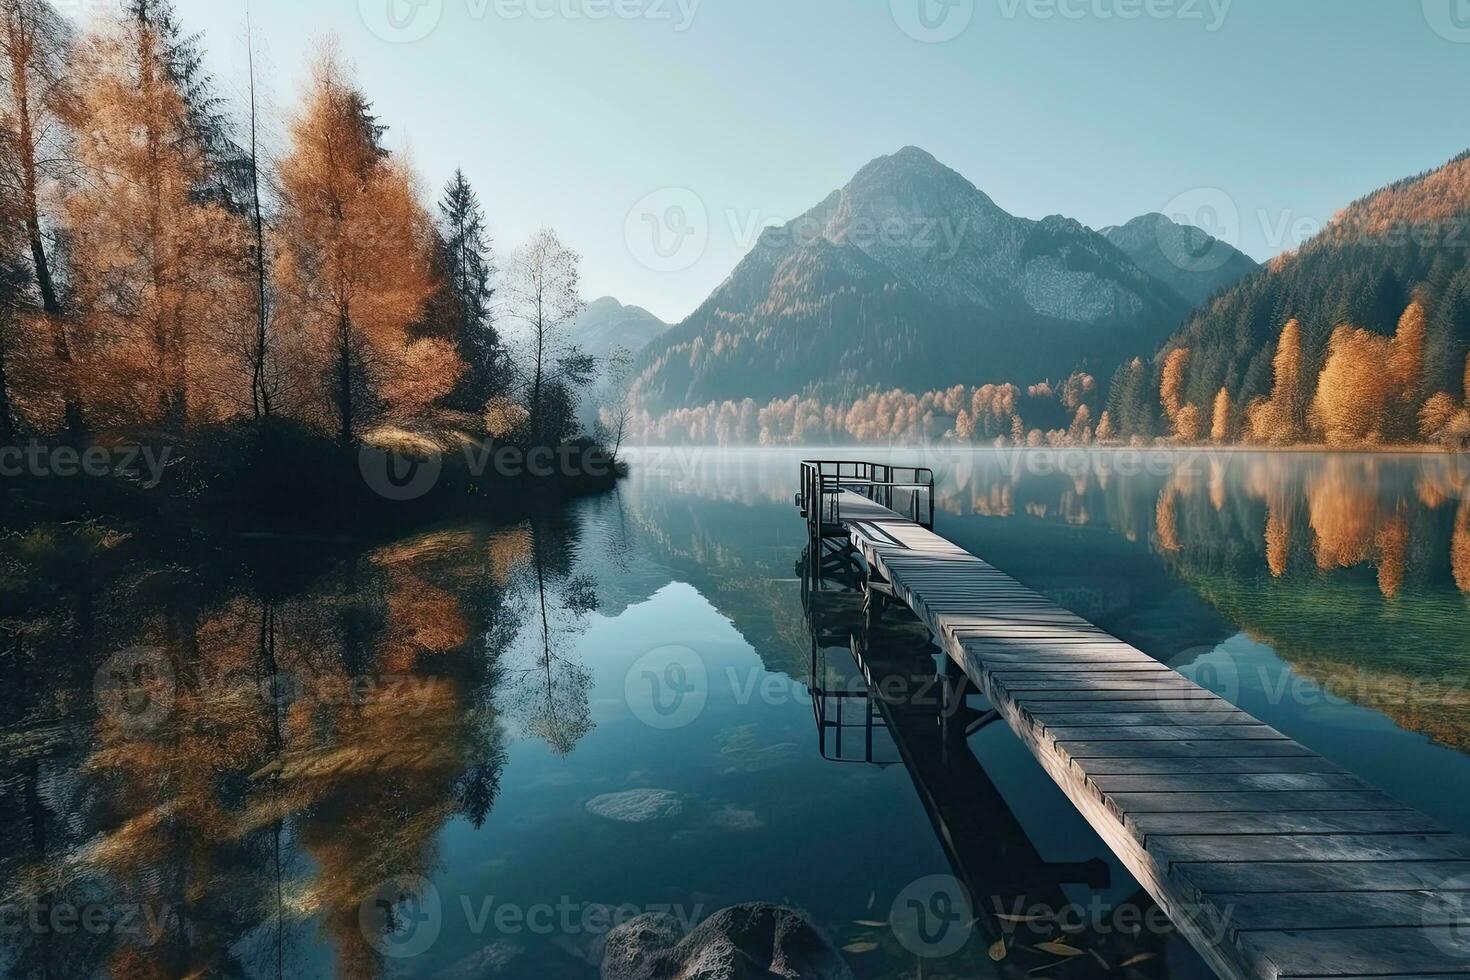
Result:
[[910, 277], [1190, 261], [607, 324]]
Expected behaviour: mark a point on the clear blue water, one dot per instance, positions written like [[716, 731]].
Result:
[[515, 736]]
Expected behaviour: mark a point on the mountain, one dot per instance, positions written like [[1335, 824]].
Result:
[[607, 324], [909, 277], [1410, 239], [1190, 261]]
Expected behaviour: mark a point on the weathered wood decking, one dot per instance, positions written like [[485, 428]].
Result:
[[1273, 861]]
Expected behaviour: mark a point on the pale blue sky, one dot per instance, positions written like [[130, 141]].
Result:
[[761, 107]]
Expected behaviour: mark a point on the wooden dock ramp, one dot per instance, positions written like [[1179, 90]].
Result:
[[1274, 862]]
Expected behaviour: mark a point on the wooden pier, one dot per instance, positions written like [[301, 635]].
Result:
[[1271, 860]]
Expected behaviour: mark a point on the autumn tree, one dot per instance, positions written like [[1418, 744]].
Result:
[[1281, 419], [1187, 424], [1220, 420], [1353, 392], [353, 271], [1406, 369], [155, 267], [226, 178], [546, 297], [1171, 382], [35, 42], [36, 46]]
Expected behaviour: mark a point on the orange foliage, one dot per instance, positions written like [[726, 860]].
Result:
[[1166, 520], [157, 272], [1278, 541], [1220, 419], [354, 271], [1460, 548], [1187, 424], [1343, 515], [1280, 419], [1392, 541], [1171, 386], [1353, 395]]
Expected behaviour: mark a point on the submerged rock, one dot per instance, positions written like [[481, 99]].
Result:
[[636, 805], [746, 942]]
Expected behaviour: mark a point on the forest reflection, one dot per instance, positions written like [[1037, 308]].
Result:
[[228, 755], [1355, 569]]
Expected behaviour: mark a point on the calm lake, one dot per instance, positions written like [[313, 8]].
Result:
[[470, 752]]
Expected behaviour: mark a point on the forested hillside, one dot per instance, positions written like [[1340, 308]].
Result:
[[1360, 337]]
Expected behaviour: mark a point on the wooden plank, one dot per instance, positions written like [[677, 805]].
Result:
[[1165, 685], [1258, 876], [1249, 912], [1144, 767], [1144, 825], [1322, 848], [1206, 704], [1371, 952], [1227, 802], [1229, 782], [1122, 719], [1164, 733], [1185, 748], [1093, 695]]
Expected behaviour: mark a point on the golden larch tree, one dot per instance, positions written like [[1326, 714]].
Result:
[[1220, 419], [1187, 424], [155, 270], [354, 268], [1354, 393], [1281, 419], [1171, 384]]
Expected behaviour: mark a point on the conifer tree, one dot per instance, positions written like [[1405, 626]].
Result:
[[468, 268]]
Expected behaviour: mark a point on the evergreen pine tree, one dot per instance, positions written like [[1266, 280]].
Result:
[[468, 268]]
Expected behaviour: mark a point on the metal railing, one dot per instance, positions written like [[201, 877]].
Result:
[[905, 490]]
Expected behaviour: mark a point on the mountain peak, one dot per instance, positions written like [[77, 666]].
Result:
[[1189, 260], [605, 324]]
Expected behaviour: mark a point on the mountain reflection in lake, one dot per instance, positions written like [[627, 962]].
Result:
[[226, 758]]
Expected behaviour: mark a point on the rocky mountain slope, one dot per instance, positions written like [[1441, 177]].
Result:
[[911, 277]]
